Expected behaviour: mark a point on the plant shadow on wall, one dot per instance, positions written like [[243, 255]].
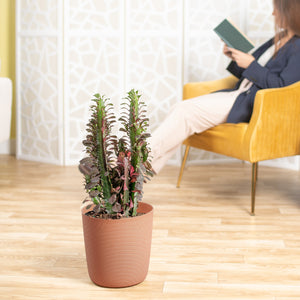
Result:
[[117, 226]]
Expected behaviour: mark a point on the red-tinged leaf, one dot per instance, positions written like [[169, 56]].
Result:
[[95, 178], [125, 186], [86, 200], [85, 160], [90, 185], [97, 209], [117, 207], [131, 170], [85, 170], [93, 193], [112, 199], [137, 191], [89, 206]]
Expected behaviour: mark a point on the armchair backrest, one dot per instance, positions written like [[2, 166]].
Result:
[[274, 128]]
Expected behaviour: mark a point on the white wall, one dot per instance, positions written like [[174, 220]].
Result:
[[68, 50]]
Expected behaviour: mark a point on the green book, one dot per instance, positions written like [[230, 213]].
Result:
[[233, 37]]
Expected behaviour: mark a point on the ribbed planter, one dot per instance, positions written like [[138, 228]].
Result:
[[118, 251]]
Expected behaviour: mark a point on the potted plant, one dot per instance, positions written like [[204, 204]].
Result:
[[117, 226]]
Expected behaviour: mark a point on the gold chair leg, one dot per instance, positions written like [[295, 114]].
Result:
[[187, 149], [253, 189]]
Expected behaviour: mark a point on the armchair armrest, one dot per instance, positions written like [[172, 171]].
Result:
[[274, 128], [195, 89]]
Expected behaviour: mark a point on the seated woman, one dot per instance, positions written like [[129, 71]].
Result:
[[274, 64]]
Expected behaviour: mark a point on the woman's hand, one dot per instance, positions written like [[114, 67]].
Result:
[[242, 59], [226, 51]]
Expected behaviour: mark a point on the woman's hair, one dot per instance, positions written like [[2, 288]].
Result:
[[289, 18]]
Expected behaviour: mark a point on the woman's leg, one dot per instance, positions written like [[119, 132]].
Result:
[[186, 118]]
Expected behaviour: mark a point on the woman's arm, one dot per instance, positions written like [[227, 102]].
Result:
[[264, 78], [237, 70]]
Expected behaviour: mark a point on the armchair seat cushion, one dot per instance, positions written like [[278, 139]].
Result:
[[226, 139]]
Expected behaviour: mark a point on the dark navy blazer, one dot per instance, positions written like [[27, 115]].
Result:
[[281, 70]]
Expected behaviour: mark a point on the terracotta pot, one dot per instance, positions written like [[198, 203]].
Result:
[[118, 251]]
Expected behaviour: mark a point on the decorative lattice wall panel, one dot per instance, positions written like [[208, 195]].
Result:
[[39, 81], [69, 50]]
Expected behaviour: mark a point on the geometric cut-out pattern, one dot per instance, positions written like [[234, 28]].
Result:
[[95, 15], [156, 16], [154, 54], [94, 66], [68, 50], [38, 15], [156, 76], [39, 99], [155, 71], [260, 19]]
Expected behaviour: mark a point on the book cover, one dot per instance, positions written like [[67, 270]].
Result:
[[233, 37]]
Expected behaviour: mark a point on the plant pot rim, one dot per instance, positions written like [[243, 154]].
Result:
[[150, 210]]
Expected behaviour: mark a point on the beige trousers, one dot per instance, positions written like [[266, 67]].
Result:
[[186, 118]]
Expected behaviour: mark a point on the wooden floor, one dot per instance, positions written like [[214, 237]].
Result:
[[205, 243]]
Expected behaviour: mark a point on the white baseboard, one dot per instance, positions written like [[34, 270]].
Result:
[[284, 164], [8, 147]]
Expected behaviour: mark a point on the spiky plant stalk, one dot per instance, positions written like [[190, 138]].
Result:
[[102, 134], [98, 144], [135, 131], [135, 125]]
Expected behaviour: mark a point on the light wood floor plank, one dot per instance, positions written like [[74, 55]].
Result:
[[205, 244]]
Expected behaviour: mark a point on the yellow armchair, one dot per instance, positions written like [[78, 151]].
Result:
[[273, 131]]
